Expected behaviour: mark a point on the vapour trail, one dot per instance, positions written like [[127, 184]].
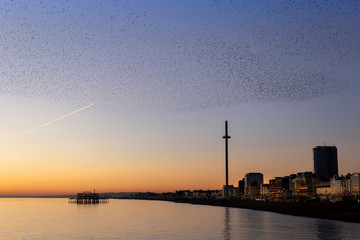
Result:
[[52, 121]]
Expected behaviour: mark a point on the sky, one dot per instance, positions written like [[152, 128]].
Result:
[[163, 76]]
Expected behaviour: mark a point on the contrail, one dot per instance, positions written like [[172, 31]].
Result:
[[52, 121]]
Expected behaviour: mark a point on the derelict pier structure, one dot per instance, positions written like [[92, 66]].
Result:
[[88, 198]]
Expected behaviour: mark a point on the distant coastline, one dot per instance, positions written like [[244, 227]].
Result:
[[349, 212], [37, 196], [105, 195]]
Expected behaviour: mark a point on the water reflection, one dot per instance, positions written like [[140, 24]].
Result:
[[328, 230], [227, 227], [136, 219], [251, 224]]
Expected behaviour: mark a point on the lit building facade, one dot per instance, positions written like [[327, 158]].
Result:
[[355, 183], [337, 185], [265, 190], [302, 184], [279, 186]]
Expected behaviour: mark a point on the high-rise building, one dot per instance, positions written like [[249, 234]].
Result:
[[253, 181], [241, 186], [325, 161]]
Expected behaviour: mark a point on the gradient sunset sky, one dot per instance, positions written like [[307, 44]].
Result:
[[163, 77]]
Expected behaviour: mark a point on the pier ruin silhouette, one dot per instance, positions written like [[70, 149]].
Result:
[[88, 198]]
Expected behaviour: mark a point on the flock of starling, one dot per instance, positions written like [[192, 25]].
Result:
[[174, 56]]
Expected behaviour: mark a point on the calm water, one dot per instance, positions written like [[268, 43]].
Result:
[[24, 218]]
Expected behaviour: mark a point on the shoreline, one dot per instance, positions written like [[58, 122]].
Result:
[[347, 212], [341, 211]]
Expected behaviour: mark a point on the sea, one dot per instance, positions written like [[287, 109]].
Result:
[[55, 218]]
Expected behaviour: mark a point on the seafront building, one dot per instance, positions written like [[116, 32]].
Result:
[[301, 184], [279, 186], [241, 187], [265, 189], [184, 194], [325, 161], [233, 191], [337, 185], [252, 183], [347, 182], [355, 183], [322, 188]]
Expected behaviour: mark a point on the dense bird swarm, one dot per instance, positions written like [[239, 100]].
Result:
[[171, 56]]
